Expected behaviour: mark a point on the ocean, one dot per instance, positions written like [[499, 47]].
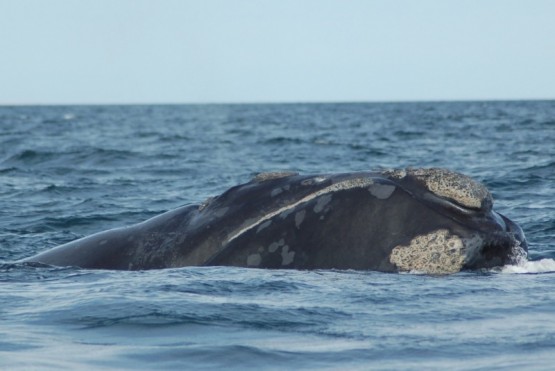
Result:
[[70, 171]]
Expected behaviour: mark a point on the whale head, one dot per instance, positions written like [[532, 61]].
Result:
[[474, 235], [428, 220]]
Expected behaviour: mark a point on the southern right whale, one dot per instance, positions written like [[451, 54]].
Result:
[[428, 220]]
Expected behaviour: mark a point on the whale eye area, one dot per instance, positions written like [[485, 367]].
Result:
[[447, 184]]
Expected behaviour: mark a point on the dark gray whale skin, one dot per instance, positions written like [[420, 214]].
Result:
[[427, 220]]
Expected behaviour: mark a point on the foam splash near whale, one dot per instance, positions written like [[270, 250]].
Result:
[[434, 221], [524, 266]]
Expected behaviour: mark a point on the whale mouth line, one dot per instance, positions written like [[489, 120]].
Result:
[[502, 241], [450, 204], [497, 250]]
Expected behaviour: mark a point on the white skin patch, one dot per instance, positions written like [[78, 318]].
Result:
[[276, 245], [103, 242], [299, 217], [381, 191], [254, 260], [286, 213], [287, 256], [346, 184], [263, 225], [322, 202]]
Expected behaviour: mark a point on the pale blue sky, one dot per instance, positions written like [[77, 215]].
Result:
[[133, 51]]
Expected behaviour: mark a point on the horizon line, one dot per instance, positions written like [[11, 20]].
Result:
[[222, 103]]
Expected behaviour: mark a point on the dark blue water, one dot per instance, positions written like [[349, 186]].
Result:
[[66, 172]]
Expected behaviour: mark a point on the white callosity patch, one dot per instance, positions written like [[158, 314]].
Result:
[[381, 191], [458, 187], [519, 255], [361, 182], [438, 252], [262, 177], [395, 173]]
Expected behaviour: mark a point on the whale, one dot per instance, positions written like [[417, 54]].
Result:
[[429, 220]]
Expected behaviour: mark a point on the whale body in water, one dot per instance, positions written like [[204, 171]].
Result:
[[427, 220]]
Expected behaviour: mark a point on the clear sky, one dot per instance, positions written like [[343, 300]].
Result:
[[164, 51]]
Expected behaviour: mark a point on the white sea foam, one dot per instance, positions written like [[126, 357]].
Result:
[[530, 266]]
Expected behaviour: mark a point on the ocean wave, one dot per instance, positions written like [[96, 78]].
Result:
[[66, 172]]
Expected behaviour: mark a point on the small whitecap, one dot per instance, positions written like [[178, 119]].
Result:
[[533, 266]]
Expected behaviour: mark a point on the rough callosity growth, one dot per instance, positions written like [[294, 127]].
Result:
[[395, 173], [262, 177], [448, 184], [438, 252]]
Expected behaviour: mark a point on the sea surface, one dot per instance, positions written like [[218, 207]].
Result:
[[67, 172]]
